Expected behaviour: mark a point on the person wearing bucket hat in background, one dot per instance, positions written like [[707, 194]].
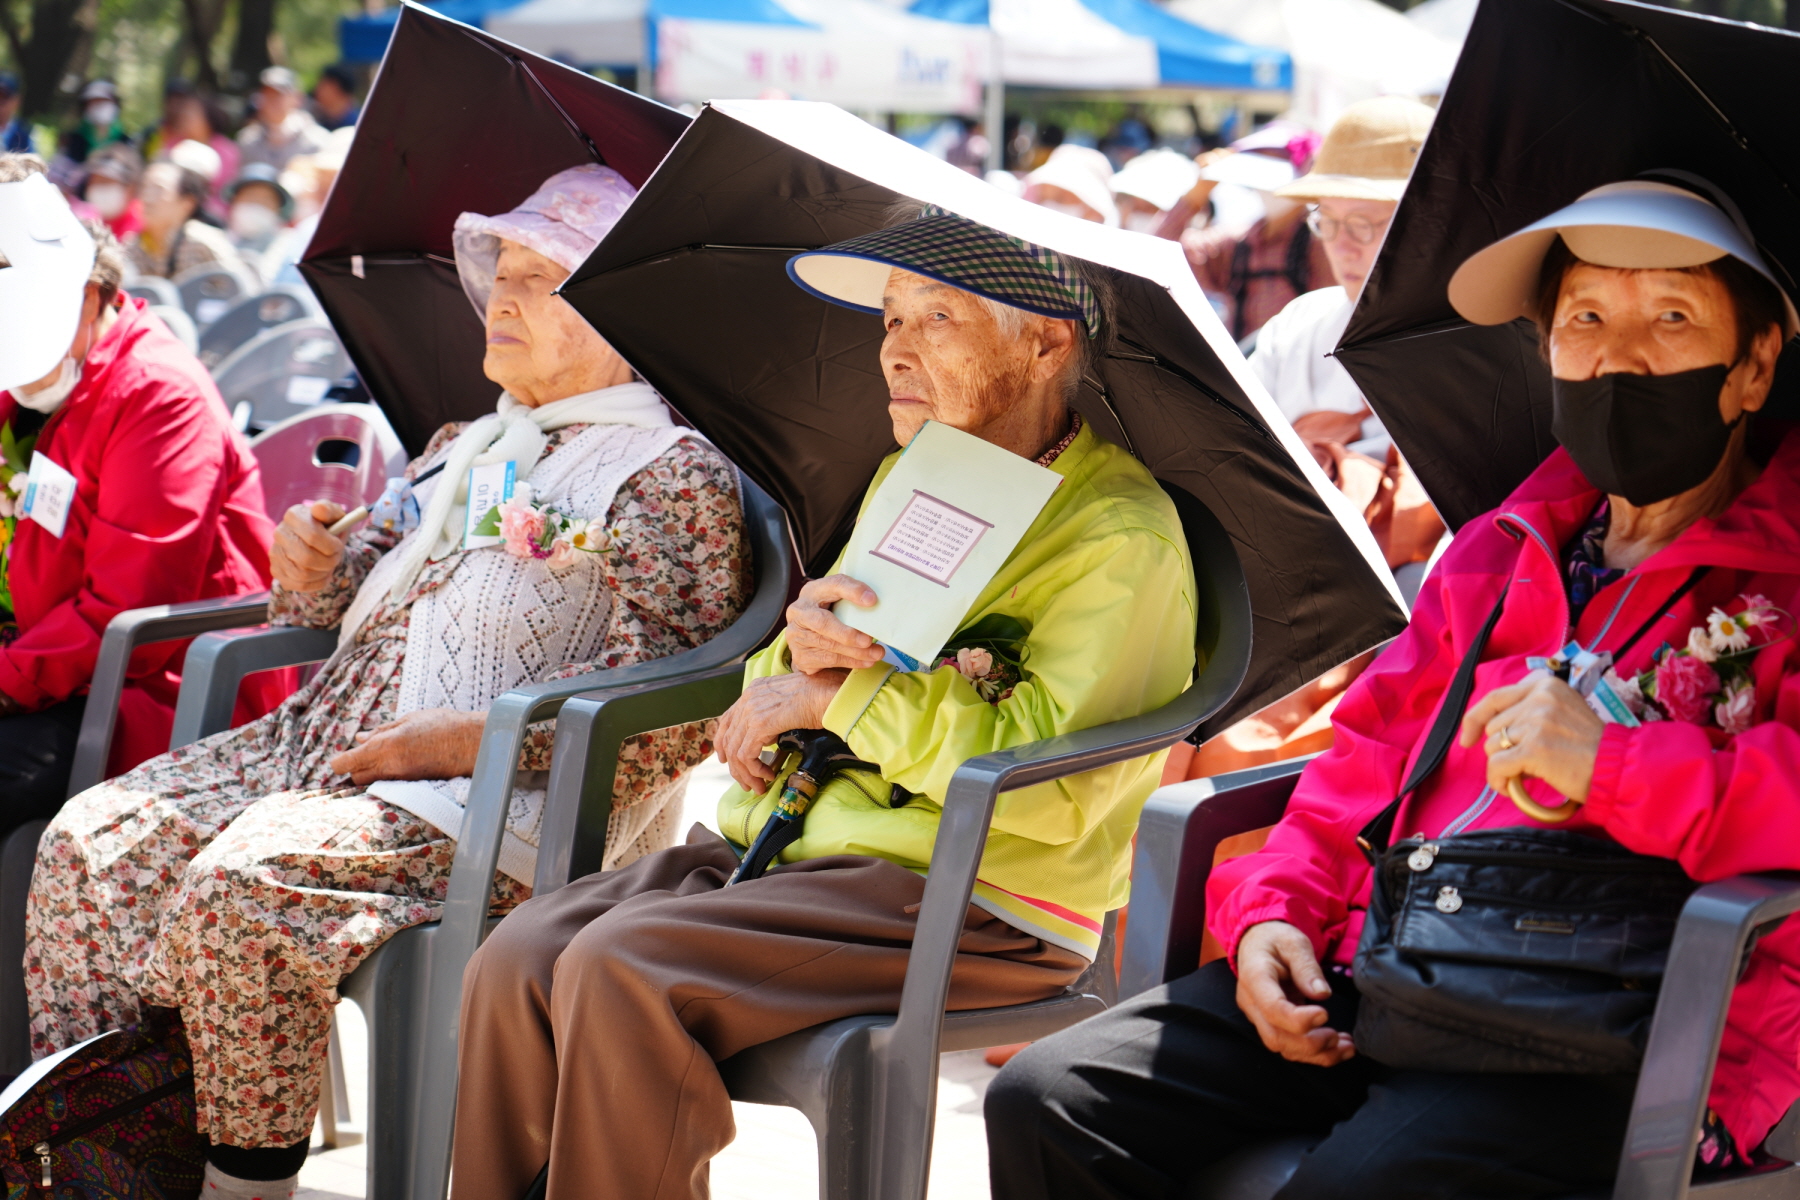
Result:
[[1662, 538], [147, 495], [1251, 273], [174, 239], [262, 864], [280, 128], [1075, 181], [1146, 188], [592, 1017], [113, 174], [100, 123]]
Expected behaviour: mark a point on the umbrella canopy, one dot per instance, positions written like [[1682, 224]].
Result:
[[458, 121], [692, 287], [1550, 99]]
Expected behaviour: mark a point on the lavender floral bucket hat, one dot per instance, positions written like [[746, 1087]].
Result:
[[563, 220]]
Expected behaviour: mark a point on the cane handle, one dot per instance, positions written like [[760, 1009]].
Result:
[[1515, 787]]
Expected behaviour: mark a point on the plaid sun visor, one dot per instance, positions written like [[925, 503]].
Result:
[[953, 250]]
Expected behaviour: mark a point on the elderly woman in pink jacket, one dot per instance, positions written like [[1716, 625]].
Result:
[[1627, 615]]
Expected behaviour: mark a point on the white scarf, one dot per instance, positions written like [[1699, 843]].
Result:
[[516, 433]]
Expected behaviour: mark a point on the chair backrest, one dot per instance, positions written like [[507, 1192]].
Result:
[[1223, 626], [341, 452], [247, 318], [283, 371], [154, 289], [179, 323], [208, 292]]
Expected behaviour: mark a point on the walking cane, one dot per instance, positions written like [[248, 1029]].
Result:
[[822, 755]]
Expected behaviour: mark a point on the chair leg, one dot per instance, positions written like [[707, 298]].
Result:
[[18, 855], [334, 1101], [390, 989]]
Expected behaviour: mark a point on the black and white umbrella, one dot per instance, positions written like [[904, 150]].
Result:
[[1550, 99], [692, 288], [458, 121]]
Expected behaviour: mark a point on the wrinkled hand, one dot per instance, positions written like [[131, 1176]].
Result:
[[1555, 736], [305, 554], [769, 708], [817, 640], [432, 743], [1325, 425], [1277, 977]]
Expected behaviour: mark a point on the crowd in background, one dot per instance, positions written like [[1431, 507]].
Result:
[[191, 191]]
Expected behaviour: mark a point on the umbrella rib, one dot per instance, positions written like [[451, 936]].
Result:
[[1731, 129], [1161, 364], [562, 112]]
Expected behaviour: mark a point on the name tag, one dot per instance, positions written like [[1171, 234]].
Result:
[[488, 486], [49, 492]]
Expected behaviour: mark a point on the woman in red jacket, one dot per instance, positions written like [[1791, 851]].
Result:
[[1664, 538], [137, 492]]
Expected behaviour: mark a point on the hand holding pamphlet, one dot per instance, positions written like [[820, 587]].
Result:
[[935, 533]]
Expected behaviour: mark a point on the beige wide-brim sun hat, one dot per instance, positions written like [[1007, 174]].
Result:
[[1368, 153], [1639, 224]]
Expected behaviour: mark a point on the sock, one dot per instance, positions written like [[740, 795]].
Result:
[[220, 1186]]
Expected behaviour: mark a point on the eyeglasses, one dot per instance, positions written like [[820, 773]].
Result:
[[1362, 231]]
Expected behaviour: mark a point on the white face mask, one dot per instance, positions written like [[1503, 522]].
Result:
[[250, 220], [1143, 222], [103, 114], [108, 199], [49, 398]]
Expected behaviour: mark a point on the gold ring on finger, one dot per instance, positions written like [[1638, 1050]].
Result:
[[1506, 742]]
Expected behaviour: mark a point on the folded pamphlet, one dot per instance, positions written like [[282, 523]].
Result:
[[936, 532]]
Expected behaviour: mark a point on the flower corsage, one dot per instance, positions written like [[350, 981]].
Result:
[[1710, 680], [543, 531], [987, 654]]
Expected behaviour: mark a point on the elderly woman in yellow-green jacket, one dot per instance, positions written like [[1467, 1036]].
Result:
[[593, 1016]]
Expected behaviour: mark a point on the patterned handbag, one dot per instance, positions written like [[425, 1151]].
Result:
[[109, 1119]]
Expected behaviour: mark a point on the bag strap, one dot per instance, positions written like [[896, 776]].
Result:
[[1376, 834]]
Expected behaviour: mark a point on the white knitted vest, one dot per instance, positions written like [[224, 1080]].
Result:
[[500, 621]]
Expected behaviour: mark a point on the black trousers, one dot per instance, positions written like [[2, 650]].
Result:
[[1139, 1100], [37, 751]]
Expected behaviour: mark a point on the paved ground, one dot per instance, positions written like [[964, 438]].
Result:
[[775, 1155]]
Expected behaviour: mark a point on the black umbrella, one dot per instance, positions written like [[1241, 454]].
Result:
[[1552, 98], [691, 286], [457, 121]]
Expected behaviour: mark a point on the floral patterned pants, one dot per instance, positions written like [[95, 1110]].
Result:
[[249, 939]]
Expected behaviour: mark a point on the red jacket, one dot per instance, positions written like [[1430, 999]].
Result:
[[168, 507], [1718, 805]]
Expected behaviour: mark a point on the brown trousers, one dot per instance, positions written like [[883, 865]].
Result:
[[592, 1017]]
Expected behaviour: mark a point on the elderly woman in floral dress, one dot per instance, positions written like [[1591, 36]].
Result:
[[239, 879]]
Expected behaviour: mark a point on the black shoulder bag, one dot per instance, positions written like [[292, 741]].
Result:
[[1510, 950]]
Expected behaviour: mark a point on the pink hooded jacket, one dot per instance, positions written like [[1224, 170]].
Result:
[[1718, 805]]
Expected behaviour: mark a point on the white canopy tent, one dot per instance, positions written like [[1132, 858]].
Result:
[[1343, 50], [1064, 44], [576, 31], [1447, 20]]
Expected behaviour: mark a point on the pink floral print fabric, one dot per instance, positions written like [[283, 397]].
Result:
[[239, 880]]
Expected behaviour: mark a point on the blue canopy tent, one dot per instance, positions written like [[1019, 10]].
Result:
[[1033, 37], [364, 39]]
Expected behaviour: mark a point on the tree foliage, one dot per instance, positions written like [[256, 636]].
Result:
[[221, 45]]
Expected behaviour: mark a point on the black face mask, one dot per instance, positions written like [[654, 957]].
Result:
[[1643, 437]]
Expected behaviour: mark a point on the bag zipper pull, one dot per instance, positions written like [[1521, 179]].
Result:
[[1422, 858], [42, 1150]]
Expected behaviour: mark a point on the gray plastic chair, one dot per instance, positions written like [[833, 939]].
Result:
[[1181, 829], [154, 290], [283, 371], [247, 318], [868, 1084], [406, 990], [209, 291]]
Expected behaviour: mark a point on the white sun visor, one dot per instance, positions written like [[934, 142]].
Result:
[[45, 259]]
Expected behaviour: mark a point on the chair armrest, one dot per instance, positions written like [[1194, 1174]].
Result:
[[907, 1051], [217, 662], [1178, 835], [589, 732], [124, 634], [1711, 942]]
